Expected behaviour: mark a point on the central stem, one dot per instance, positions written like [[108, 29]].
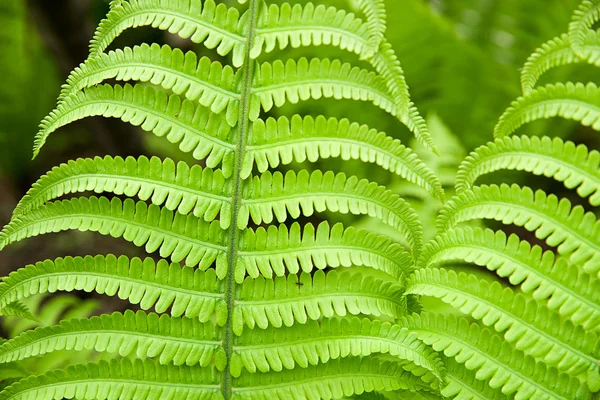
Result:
[[243, 127]]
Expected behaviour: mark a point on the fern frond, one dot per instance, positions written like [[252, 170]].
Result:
[[167, 339], [47, 310], [528, 324], [304, 192], [334, 379], [374, 11], [209, 83], [253, 312], [584, 18], [575, 232], [555, 53], [159, 285], [202, 192], [174, 235], [17, 309], [561, 285], [318, 342], [202, 21], [186, 341], [417, 124], [574, 101], [462, 384], [207, 135], [196, 129], [311, 25], [198, 294], [492, 359], [574, 165], [287, 300], [387, 65], [109, 380], [293, 81], [281, 141], [279, 250], [218, 26]]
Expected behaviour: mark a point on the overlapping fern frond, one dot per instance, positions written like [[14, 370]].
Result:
[[547, 321]]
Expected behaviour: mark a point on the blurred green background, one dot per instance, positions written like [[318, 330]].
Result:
[[461, 59]]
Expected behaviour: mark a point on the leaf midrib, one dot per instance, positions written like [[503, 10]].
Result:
[[243, 126]]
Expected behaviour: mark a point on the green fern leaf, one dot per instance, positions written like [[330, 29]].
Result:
[[202, 192], [44, 311], [287, 300], [186, 341], [207, 135], [309, 25], [574, 101], [562, 286], [574, 232], [182, 291], [528, 324], [278, 250], [18, 309], [555, 53], [254, 311], [583, 19], [306, 193], [293, 81], [333, 379], [281, 141], [493, 360], [172, 234], [209, 83], [115, 379], [167, 339], [197, 130], [417, 124], [462, 384], [575, 166], [219, 27], [374, 11], [387, 65], [202, 21], [313, 343]]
